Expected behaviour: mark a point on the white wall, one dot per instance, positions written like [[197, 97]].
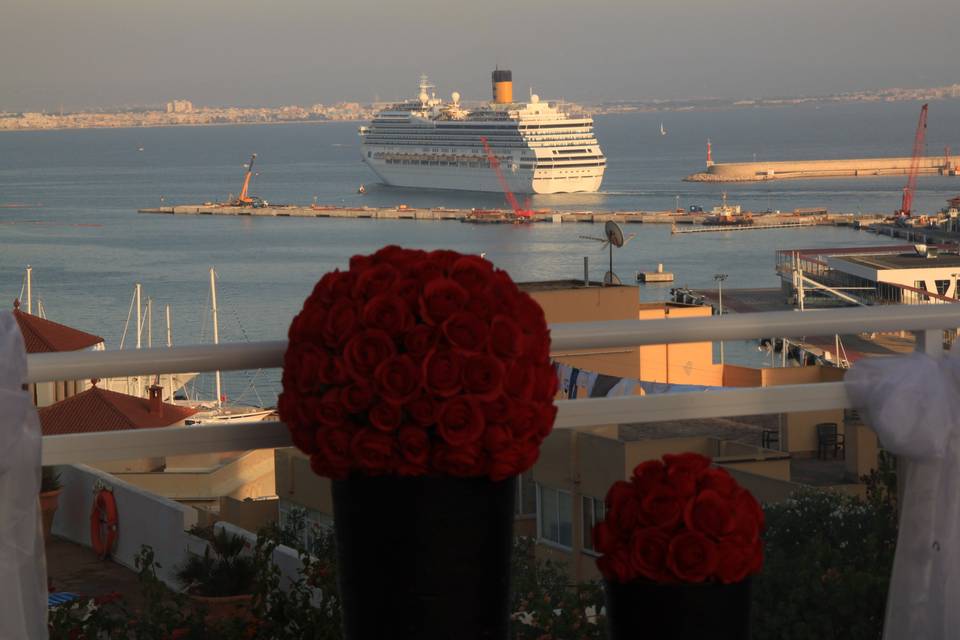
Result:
[[144, 519]]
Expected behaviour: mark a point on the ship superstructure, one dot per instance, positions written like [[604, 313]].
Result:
[[428, 143]]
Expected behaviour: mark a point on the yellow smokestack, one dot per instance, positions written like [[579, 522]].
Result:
[[502, 86]]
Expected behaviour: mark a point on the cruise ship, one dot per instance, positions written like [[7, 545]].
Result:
[[427, 143]]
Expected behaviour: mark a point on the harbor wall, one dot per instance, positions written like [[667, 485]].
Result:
[[855, 167]]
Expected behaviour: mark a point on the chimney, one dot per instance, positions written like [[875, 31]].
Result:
[[156, 400]]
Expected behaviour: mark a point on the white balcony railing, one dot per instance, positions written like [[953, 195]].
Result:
[[928, 322]]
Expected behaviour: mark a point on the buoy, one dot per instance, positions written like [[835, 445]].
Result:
[[103, 523]]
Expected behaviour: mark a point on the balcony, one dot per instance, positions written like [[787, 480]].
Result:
[[158, 527]]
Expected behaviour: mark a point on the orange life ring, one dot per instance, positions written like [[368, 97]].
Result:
[[103, 523]]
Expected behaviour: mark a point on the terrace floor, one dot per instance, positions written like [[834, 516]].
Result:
[[77, 569]]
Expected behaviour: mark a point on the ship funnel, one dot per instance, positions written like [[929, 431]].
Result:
[[502, 86]]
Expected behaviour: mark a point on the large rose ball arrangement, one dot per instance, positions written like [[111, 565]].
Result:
[[414, 363], [680, 520]]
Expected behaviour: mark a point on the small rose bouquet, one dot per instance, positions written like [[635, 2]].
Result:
[[680, 520], [414, 363]]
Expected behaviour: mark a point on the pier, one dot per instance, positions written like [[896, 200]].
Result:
[[811, 169], [750, 227], [691, 222]]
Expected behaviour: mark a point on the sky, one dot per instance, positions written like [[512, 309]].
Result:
[[112, 53]]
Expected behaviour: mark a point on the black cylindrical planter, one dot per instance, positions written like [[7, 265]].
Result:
[[638, 610], [424, 558]]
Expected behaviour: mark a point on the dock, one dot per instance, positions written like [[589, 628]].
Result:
[[749, 227], [812, 169], [690, 222]]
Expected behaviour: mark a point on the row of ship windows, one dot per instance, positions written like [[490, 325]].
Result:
[[419, 141], [478, 165], [523, 127]]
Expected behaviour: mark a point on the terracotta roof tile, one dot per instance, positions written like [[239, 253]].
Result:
[[43, 336], [98, 409]]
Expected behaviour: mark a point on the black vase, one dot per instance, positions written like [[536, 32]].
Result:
[[639, 610], [424, 558]]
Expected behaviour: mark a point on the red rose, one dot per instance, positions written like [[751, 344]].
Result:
[[520, 380], [719, 480], [441, 298], [692, 556], [648, 475], [414, 446], [375, 280], [373, 451], [547, 383], [408, 290], [333, 450], [480, 308], [419, 341], [709, 513], [389, 313], [398, 379], [307, 408], [309, 323], [662, 507], [497, 410], [506, 338], [340, 323], [287, 407], [497, 438], [444, 257], [465, 332], [483, 376], [544, 418], [385, 416], [356, 398], [329, 412], [615, 566], [501, 291], [304, 439], [460, 421], [441, 372], [508, 462], [335, 372], [310, 369], [425, 271], [733, 563], [360, 263], [618, 494], [462, 462], [471, 272], [604, 540], [422, 410], [648, 553], [365, 352], [333, 286]]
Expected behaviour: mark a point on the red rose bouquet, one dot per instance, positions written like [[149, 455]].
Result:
[[414, 363], [680, 520]]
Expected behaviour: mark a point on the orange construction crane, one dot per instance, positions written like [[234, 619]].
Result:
[[244, 198], [906, 204], [521, 213]]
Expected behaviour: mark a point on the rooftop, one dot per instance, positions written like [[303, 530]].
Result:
[[906, 261], [45, 336], [563, 285], [98, 409]]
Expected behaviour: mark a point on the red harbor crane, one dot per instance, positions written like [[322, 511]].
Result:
[[907, 204], [521, 213]]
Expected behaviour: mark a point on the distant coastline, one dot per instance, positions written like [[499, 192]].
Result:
[[186, 115]]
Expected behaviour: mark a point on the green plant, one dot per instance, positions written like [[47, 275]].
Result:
[[49, 480], [222, 570], [828, 563]]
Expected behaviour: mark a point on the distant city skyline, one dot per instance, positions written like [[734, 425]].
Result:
[[109, 53]]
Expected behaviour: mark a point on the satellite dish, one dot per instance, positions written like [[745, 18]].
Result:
[[614, 233], [615, 238]]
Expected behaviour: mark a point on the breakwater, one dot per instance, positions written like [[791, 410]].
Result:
[[497, 216], [810, 169]]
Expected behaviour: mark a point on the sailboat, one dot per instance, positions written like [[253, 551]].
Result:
[[663, 131], [218, 412]]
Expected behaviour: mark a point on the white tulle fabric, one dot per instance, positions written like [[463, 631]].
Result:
[[913, 403], [23, 571]]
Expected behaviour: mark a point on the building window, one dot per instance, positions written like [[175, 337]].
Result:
[[554, 518], [593, 511], [526, 500]]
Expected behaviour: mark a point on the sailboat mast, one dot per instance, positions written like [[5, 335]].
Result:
[[139, 336], [169, 344], [216, 328], [149, 322], [29, 289]]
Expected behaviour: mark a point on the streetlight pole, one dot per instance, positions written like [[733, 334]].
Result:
[[719, 278], [677, 206]]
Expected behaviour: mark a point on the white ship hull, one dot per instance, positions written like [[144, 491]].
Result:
[[484, 179]]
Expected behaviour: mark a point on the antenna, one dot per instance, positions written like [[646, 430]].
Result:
[[614, 238]]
